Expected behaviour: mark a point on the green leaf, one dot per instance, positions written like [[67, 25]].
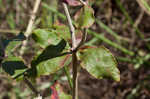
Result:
[[45, 37], [84, 18], [51, 66], [53, 57], [10, 44], [62, 30], [13, 66], [9, 51], [100, 63], [50, 60]]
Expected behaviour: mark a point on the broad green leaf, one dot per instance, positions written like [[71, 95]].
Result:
[[84, 18], [62, 30], [11, 44], [52, 65], [45, 37], [51, 59], [100, 63], [13, 66], [58, 93], [9, 51]]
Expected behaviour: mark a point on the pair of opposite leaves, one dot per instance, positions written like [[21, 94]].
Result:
[[97, 61]]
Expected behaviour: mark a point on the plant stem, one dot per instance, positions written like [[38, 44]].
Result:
[[9, 31], [83, 2], [74, 57], [31, 86], [72, 29], [66, 70], [75, 76], [144, 5], [30, 26]]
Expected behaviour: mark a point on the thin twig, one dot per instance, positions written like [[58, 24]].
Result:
[[144, 6], [31, 86], [83, 2], [30, 25], [17, 11], [137, 22], [9, 31], [74, 57], [66, 70], [72, 29]]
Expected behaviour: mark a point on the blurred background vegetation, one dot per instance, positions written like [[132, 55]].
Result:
[[123, 26]]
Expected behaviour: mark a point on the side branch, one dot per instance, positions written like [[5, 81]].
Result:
[[31, 86], [30, 25], [72, 29]]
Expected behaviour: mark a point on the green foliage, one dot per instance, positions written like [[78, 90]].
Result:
[[10, 48], [45, 37], [100, 63], [13, 66], [51, 59], [85, 17], [51, 66], [55, 52], [10, 44], [62, 30]]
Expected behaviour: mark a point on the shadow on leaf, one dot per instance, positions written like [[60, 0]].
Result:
[[5, 42], [10, 67], [19, 37], [50, 52]]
